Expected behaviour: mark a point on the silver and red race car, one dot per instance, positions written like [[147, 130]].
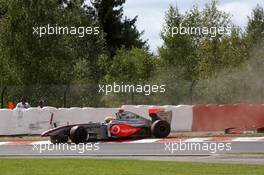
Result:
[[125, 125]]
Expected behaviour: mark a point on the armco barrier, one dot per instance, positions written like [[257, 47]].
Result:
[[220, 117]]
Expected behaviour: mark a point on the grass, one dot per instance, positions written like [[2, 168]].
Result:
[[120, 167]]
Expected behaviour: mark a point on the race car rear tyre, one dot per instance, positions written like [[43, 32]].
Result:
[[59, 139], [78, 134], [160, 129]]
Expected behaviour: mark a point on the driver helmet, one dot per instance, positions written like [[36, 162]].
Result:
[[108, 119]]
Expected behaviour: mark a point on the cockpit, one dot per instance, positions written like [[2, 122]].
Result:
[[124, 115]]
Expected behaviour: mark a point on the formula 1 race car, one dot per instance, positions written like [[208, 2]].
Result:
[[125, 125]]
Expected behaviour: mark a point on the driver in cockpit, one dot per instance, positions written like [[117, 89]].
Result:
[[119, 115]]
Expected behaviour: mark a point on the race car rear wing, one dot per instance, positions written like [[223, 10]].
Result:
[[159, 113]]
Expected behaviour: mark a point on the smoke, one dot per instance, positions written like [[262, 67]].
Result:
[[244, 84]]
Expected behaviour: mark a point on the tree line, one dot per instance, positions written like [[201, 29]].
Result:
[[66, 69]]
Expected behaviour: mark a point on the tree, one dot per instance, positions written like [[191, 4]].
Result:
[[195, 55], [178, 52], [209, 49], [176, 47], [238, 66], [130, 67], [255, 27], [119, 32], [32, 60]]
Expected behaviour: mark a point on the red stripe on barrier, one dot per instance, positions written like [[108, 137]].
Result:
[[221, 139], [119, 141], [172, 140], [20, 143]]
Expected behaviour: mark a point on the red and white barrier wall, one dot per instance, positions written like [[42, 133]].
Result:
[[220, 117], [185, 117]]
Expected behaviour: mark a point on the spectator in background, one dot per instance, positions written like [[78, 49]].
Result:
[[11, 105], [41, 103], [23, 104]]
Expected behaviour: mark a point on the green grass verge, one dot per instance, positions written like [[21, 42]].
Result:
[[120, 167]]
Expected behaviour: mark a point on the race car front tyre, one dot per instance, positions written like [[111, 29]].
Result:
[[58, 139], [78, 134], [160, 129]]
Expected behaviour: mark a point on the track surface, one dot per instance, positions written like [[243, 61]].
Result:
[[143, 147]]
